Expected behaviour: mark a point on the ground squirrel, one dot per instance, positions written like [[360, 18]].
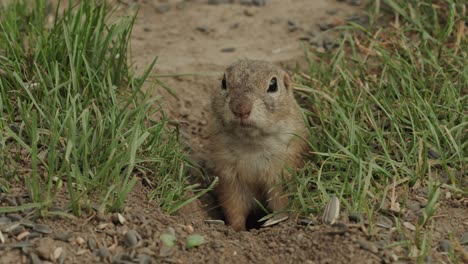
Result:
[[258, 131]]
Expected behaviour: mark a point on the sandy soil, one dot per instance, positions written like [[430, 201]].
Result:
[[198, 38]]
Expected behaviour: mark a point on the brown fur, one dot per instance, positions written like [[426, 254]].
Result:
[[250, 159]]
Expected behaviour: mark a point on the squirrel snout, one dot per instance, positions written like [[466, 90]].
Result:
[[241, 109]]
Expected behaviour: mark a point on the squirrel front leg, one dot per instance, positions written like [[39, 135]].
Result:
[[236, 203]]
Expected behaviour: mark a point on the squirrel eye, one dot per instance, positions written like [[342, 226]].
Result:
[[223, 83], [273, 86]]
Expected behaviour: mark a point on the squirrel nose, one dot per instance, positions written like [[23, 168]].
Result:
[[243, 114], [242, 111]]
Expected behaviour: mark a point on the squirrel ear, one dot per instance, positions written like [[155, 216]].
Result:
[[287, 82]]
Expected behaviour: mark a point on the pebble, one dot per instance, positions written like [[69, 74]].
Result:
[[248, 13], [144, 259], [354, 2], [229, 49], [92, 245], [325, 26], [218, 2], [306, 222], [414, 206], [329, 43], [292, 26], [11, 201], [444, 245], [163, 8], [355, 217], [58, 252], [361, 20], [131, 238], [44, 229], [103, 253], [171, 231], [202, 29], [45, 250], [102, 226], [80, 241], [464, 239], [253, 2], [100, 216], [368, 246], [4, 221]]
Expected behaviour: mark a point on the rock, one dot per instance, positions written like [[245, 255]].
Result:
[[253, 2], [163, 8], [92, 245], [131, 238], [292, 26], [445, 245], [229, 49], [355, 217], [58, 252], [4, 221], [464, 239], [248, 13], [80, 241], [368, 246], [218, 2], [329, 43], [46, 249], [100, 216], [11, 201], [144, 259], [325, 26], [202, 29], [354, 2], [103, 253]]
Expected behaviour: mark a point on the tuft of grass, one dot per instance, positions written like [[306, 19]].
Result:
[[74, 119], [388, 109]]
